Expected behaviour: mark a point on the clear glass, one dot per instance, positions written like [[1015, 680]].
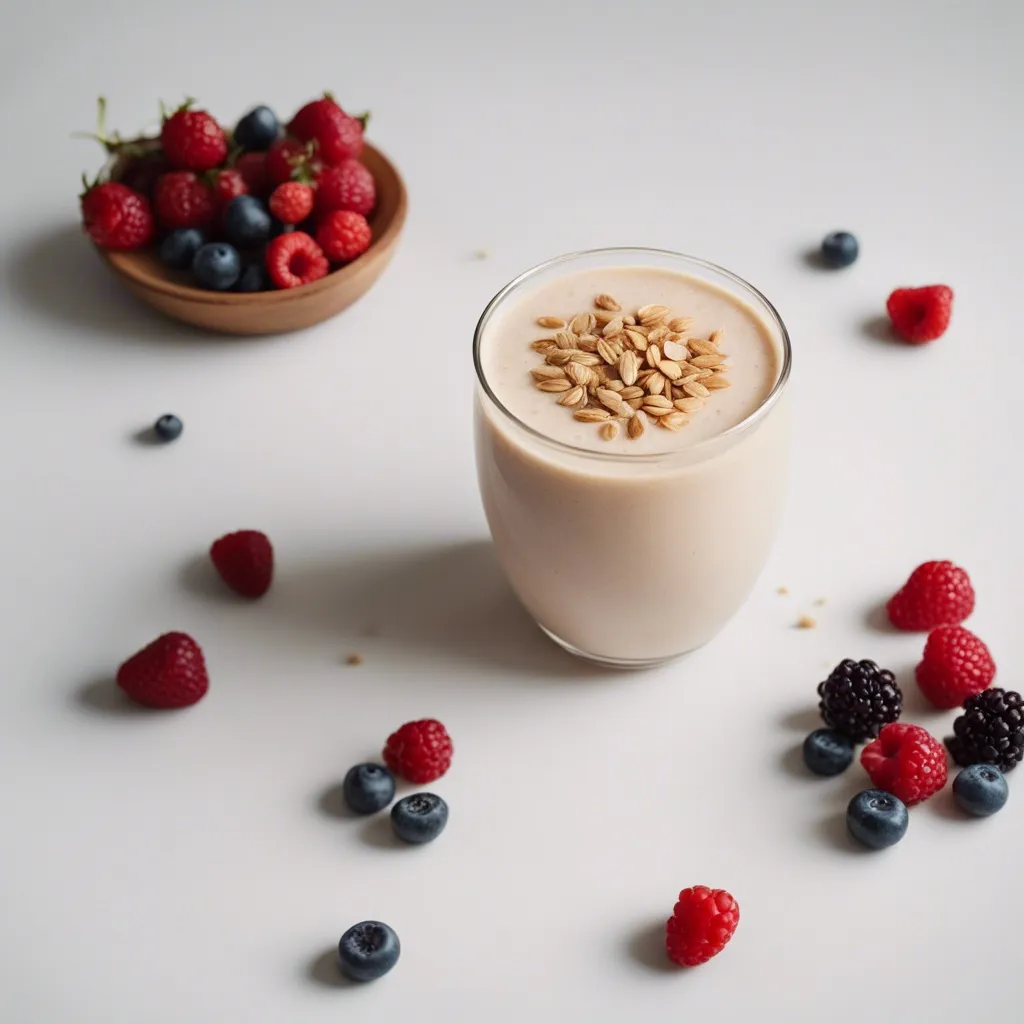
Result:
[[700, 518]]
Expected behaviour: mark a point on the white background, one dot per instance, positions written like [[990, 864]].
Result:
[[193, 866]]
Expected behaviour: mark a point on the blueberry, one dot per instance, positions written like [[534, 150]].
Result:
[[369, 788], [419, 818], [827, 752], [254, 278], [368, 950], [839, 249], [168, 427], [247, 222], [981, 790], [258, 129], [878, 819], [179, 248], [217, 266]]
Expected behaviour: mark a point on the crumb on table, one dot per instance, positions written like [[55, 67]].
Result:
[[782, 591], [806, 622], [354, 659], [820, 601]]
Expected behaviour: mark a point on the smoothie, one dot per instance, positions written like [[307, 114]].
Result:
[[631, 448]]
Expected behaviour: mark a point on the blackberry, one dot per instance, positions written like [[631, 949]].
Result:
[[990, 731], [858, 698]]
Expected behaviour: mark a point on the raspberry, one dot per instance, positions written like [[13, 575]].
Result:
[[349, 186], [936, 594], [906, 761], [182, 200], [313, 116], [192, 140], [956, 665], [245, 561], [294, 259], [343, 235], [337, 135], [228, 184], [419, 751], [990, 731], [291, 202], [920, 314], [702, 922], [253, 169], [858, 698], [285, 160], [117, 217], [169, 673]]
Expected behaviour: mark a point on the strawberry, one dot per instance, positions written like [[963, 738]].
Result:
[[228, 184], [287, 159], [935, 594], [168, 673], [920, 314], [245, 561], [313, 116], [349, 186], [183, 200], [192, 140], [115, 216], [343, 235], [253, 169], [291, 202], [294, 259]]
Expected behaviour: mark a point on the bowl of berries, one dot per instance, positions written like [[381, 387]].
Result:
[[260, 229]]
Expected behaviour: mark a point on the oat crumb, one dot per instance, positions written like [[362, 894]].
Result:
[[806, 622], [782, 591], [820, 601], [481, 254], [354, 659]]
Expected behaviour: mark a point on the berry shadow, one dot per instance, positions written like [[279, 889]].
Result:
[[146, 438], [323, 970], [944, 805], [876, 618], [832, 832], [378, 833], [102, 696], [792, 762], [803, 720], [199, 577], [646, 946], [879, 328], [813, 258]]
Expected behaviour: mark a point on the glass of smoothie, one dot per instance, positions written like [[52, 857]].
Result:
[[632, 441]]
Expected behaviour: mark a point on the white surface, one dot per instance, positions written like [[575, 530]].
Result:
[[169, 868]]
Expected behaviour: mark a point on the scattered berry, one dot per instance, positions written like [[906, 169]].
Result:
[[227, 184], [839, 249], [179, 248], [702, 922], [368, 788], [284, 160], [936, 594], [858, 698], [245, 561], [347, 186], [168, 427], [257, 130], [920, 314], [217, 266], [990, 731], [247, 222], [877, 818], [254, 278], [981, 790], [291, 202], [368, 950], [419, 818], [419, 751], [956, 665], [192, 140], [827, 752], [294, 259], [253, 169], [906, 761], [343, 235], [182, 200], [117, 217], [168, 673]]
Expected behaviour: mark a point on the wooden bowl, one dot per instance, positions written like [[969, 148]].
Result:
[[274, 312]]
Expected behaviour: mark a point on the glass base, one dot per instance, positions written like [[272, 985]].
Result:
[[631, 664]]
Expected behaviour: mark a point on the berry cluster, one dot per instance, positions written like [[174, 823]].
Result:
[[264, 206]]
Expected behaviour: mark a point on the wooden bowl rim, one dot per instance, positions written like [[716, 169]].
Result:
[[123, 263]]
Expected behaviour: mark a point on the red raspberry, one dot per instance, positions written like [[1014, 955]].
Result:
[[287, 159], [349, 186], [702, 922], [183, 200], [192, 140], [117, 217], [343, 235], [936, 594], [245, 561], [906, 761], [956, 665], [291, 202], [920, 314], [228, 184], [294, 259], [419, 751], [253, 169], [169, 673]]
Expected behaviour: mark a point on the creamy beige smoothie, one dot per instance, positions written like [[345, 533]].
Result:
[[631, 447]]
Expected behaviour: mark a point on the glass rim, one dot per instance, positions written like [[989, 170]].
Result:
[[770, 400]]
